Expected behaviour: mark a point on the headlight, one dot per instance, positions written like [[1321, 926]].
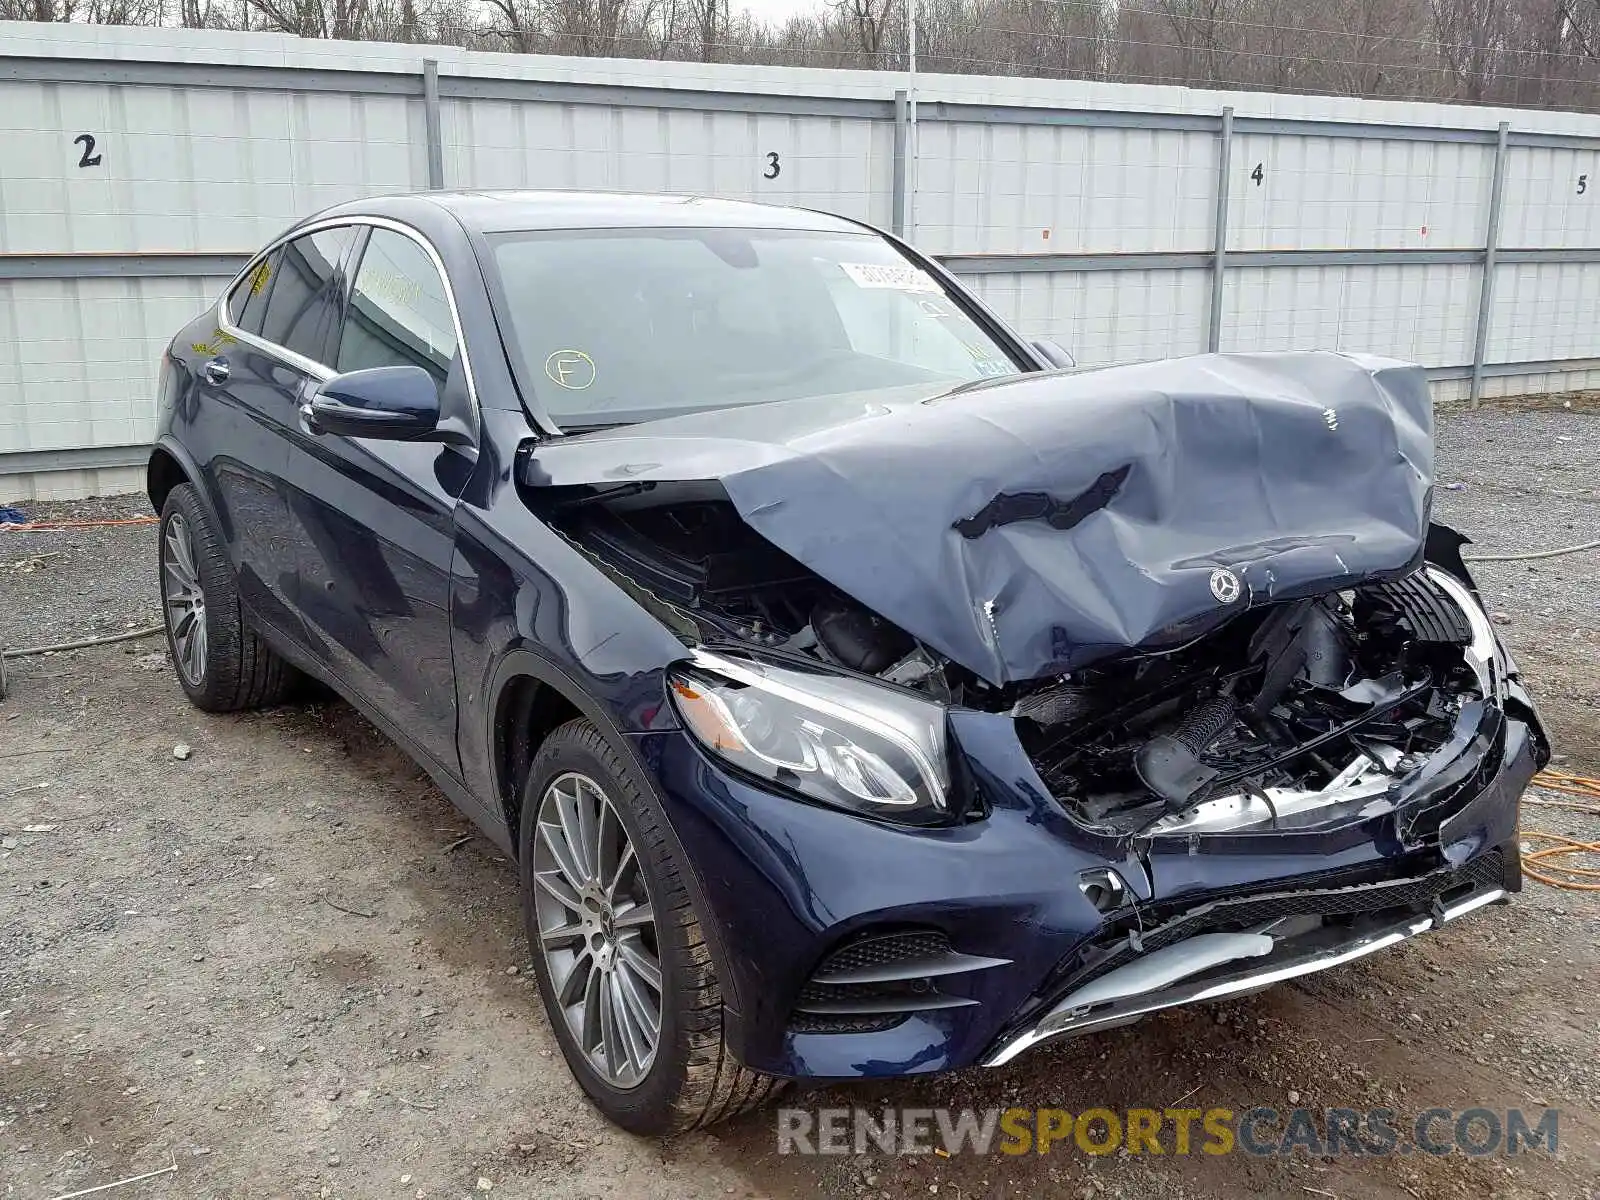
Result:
[[846, 743]]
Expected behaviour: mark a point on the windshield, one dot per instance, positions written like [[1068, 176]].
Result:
[[613, 326]]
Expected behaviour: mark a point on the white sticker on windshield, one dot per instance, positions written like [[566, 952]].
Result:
[[880, 275]]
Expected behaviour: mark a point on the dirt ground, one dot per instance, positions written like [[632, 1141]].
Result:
[[285, 965]]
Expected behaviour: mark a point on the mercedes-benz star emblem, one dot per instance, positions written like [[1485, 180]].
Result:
[[1225, 585]]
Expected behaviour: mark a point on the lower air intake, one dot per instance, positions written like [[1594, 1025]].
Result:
[[873, 983]]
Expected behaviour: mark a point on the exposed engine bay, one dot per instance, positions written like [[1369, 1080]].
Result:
[[1286, 711], [1282, 711]]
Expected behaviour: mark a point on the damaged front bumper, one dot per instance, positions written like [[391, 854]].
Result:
[[1217, 966], [1242, 944], [1026, 957], [1238, 945]]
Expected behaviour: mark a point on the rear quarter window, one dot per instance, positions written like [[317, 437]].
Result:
[[247, 302]]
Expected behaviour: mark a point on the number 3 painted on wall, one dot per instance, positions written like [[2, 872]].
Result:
[[90, 158], [773, 168]]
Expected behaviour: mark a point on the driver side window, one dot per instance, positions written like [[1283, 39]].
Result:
[[399, 314]]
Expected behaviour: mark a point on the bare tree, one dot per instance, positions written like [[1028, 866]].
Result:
[[584, 27], [867, 21], [1471, 37], [516, 22], [194, 14], [306, 18], [1552, 62], [1201, 31], [1543, 53], [1371, 57], [711, 22], [38, 10]]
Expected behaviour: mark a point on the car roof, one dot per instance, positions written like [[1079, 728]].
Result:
[[508, 211]]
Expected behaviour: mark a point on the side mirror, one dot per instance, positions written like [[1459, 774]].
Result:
[[1055, 353], [399, 404]]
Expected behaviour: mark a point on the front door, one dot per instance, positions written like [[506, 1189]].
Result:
[[374, 520]]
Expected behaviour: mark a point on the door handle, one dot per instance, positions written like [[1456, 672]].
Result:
[[216, 371]]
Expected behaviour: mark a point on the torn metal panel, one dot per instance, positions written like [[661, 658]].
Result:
[[1029, 526]]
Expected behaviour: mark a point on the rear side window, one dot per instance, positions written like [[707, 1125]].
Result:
[[301, 301], [247, 303], [398, 313]]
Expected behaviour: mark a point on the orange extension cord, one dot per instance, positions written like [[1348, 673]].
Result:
[[1571, 785], [52, 526]]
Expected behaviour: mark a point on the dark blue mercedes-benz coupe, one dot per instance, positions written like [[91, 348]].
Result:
[[861, 691]]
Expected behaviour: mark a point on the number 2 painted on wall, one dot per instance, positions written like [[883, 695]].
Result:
[[773, 168], [90, 158]]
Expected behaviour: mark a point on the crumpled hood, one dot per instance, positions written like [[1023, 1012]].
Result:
[[1032, 525]]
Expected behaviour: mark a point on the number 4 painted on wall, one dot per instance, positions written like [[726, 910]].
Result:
[[1258, 174]]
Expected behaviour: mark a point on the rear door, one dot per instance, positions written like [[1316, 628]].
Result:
[[269, 353], [374, 520], [250, 371], [235, 422]]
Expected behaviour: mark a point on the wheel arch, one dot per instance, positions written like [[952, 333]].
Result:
[[171, 466], [163, 473], [530, 697], [527, 687], [528, 708]]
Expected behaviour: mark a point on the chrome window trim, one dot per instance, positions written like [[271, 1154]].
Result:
[[321, 371]]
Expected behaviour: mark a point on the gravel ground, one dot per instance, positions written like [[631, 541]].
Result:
[[273, 965], [57, 587], [1520, 480]]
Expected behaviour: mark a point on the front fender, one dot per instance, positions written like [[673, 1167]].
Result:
[[526, 604]]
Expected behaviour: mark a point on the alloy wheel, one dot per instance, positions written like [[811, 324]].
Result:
[[597, 930], [185, 600]]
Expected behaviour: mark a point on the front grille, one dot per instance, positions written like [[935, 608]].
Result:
[[1416, 894], [1431, 614], [875, 982]]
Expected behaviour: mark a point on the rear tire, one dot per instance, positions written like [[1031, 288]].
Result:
[[586, 908], [223, 665]]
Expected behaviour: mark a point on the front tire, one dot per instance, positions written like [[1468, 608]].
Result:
[[618, 951], [223, 665]]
